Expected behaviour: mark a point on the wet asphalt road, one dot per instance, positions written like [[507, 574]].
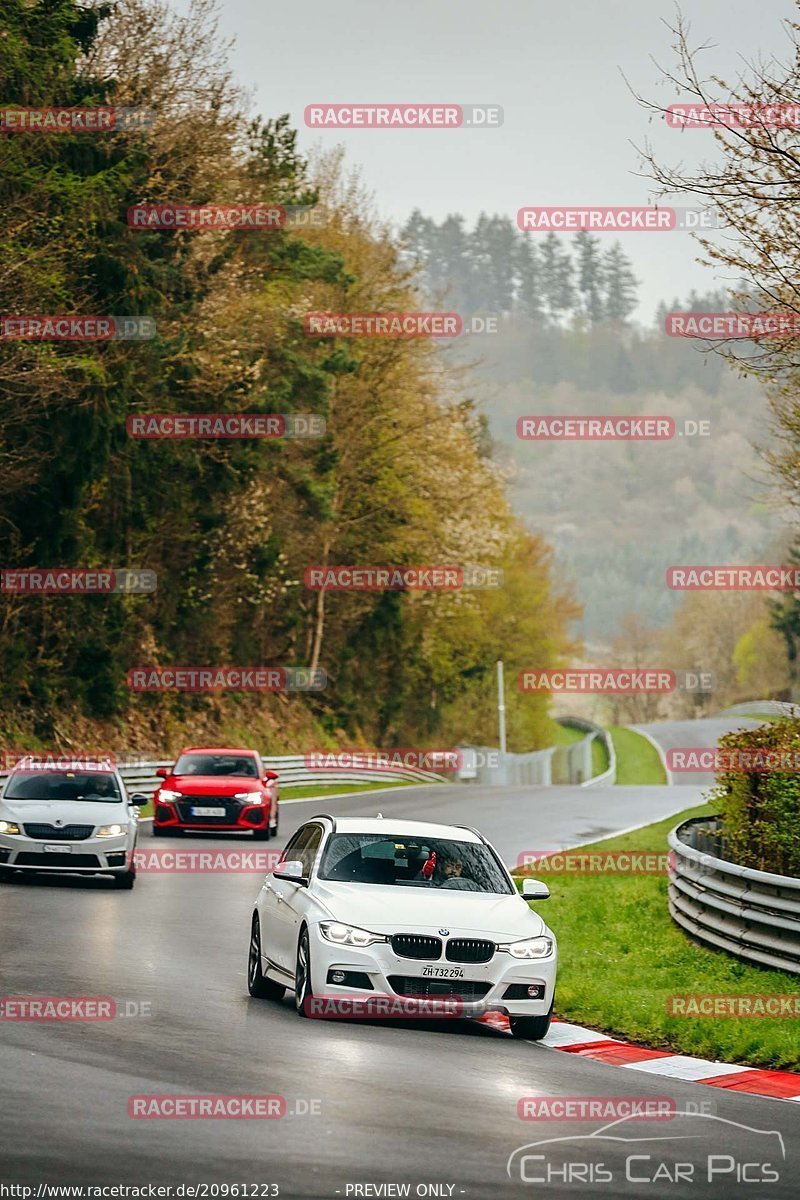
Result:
[[369, 1103], [672, 735]]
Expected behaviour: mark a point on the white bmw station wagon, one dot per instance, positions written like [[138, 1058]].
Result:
[[379, 907]]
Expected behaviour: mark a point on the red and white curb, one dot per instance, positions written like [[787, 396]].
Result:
[[575, 1039]]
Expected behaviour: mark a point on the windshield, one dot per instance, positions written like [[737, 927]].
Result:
[[216, 764], [63, 785], [411, 862]]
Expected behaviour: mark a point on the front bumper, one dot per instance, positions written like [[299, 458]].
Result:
[[483, 987], [86, 857], [238, 818]]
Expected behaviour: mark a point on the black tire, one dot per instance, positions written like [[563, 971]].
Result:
[[125, 880], [5, 874], [257, 983], [159, 832], [274, 827], [303, 994], [262, 835], [531, 1029]]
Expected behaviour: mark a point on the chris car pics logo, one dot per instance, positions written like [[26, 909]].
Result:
[[699, 1148]]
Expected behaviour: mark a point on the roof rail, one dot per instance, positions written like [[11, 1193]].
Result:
[[471, 829], [327, 817]]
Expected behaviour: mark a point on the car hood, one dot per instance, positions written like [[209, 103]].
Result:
[[69, 812], [386, 909], [211, 785]]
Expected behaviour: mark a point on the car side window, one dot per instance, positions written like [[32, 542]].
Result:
[[295, 844], [308, 851]]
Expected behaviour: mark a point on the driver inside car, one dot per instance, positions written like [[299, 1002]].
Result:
[[453, 869]]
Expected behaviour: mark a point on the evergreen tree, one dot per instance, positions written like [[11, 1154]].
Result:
[[558, 285], [528, 278], [620, 284], [590, 279]]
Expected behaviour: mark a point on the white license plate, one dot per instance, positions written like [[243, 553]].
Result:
[[208, 812], [443, 972], [60, 849]]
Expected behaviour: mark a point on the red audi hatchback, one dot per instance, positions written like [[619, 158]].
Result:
[[212, 788]]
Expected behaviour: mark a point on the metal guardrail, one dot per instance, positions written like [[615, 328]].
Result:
[[594, 731], [752, 914], [140, 776], [571, 764], [781, 708]]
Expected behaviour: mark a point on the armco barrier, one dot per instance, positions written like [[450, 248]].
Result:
[[292, 771], [752, 914], [593, 731], [571, 764], [780, 708]]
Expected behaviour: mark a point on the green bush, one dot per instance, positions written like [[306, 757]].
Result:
[[761, 808]]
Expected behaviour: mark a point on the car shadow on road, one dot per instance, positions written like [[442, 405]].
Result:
[[85, 883], [459, 1026]]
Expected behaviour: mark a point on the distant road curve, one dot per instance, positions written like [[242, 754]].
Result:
[[670, 735]]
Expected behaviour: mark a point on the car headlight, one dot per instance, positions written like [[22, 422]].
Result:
[[538, 947], [110, 830], [9, 827], [252, 797], [349, 935], [166, 794]]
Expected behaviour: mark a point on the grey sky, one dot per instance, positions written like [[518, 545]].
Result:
[[554, 68]]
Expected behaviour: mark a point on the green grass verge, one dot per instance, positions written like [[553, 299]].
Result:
[[600, 762], [565, 735], [621, 956], [637, 759]]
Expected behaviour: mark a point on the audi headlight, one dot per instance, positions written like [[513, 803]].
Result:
[[9, 827], [538, 947], [349, 935], [166, 794], [110, 830], [252, 797]]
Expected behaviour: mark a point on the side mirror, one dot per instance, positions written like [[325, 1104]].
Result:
[[291, 870], [138, 799], [534, 889], [268, 775], [162, 772]]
